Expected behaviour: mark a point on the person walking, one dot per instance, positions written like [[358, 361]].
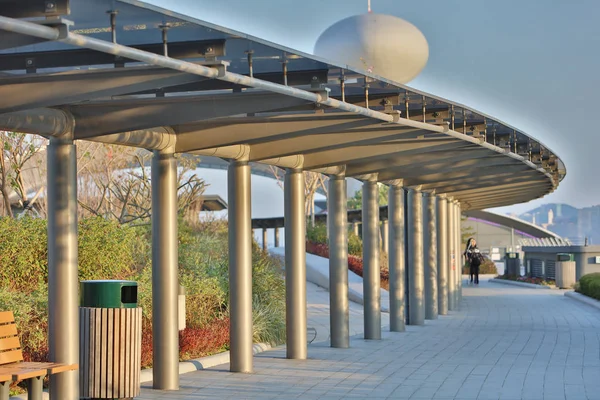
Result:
[[474, 258]]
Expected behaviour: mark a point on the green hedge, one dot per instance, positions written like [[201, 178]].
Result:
[[487, 268], [318, 234], [107, 250], [590, 285]]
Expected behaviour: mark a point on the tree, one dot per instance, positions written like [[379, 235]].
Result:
[[115, 183], [17, 158], [355, 202], [466, 231]]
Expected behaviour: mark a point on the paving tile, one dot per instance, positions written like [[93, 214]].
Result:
[[505, 344]]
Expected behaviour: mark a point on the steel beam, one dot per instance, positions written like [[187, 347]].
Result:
[[396, 258], [357, 155], [442, 255], [416, 277], [430, 255], [240, 267], [295, 264], [436, 168], [266, 129], [430, 181], [500, 180], [63, 279], [371, 269], [297, 143], [34, 8], [165, 280], [337, 219], [133, 114], [22, 92], [421, 160]]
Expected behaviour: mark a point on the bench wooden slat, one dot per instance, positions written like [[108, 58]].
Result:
[[6, 316], [10, 343], [11, 356], [8, 330], [28, 373], [50, 367], [19, 374]]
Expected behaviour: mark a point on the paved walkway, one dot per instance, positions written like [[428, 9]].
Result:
[[505, 343]]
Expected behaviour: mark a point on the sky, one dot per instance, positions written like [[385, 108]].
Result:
[[534, 64]]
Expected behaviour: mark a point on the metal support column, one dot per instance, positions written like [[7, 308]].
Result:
[[430, 256], [385, 236], [371, 270], [63, 280], [451, 257], [396, 258], [265, 239], [355, 228], [459, 251], [240, 267], [295, 264], [416, 277], [276, 234], [442, 259], [337, 219], [165, 282]]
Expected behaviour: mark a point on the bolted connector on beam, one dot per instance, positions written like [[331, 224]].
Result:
[[220, 66]]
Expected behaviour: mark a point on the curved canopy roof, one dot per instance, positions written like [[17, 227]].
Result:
[[221, 92]]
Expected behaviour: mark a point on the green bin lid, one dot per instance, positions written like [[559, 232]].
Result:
[[108, 294]]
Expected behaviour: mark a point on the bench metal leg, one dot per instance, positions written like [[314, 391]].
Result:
[[35, 388], [4, 392]]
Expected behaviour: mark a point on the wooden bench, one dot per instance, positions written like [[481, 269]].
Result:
[[12, 367]]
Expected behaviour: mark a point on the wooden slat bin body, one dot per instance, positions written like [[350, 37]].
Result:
[[110, 352]]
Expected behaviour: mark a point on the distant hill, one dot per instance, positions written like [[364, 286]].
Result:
[[567, 221]]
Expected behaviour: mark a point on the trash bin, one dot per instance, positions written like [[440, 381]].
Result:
[[513, 264], [565, 271], [565, 257], [110, 337]]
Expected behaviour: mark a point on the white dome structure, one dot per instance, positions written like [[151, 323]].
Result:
[[380, 44]]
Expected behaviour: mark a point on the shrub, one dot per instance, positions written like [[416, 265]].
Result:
[[201, 342], [486, 268], [31, 316], [528, 279], [23, 254], [355, 245], [107, 249], [589, 285], [317, 233]]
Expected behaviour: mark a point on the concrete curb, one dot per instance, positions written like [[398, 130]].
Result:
[[583, 299], [203, 363], [184, 367], [522, 284]]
